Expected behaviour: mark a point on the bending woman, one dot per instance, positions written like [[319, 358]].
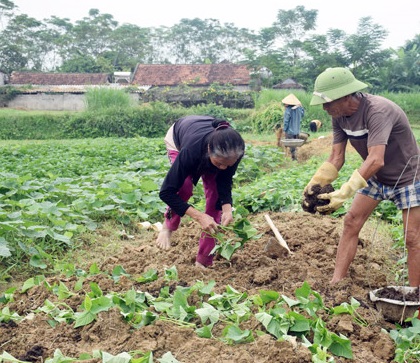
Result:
[[200, 146]]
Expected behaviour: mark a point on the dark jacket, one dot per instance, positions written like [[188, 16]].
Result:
[[191, 139]]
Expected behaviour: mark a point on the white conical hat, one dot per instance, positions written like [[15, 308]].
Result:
[[291, 100]]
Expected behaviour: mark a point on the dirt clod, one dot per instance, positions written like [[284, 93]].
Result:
[[273, 249], [311, 201], [393, 294]]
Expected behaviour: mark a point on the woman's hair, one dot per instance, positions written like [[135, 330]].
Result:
[[225, 142]]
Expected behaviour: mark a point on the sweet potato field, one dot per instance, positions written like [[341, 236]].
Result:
[[81, 281]]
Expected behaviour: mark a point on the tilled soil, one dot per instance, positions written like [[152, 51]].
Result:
[[259, 265]]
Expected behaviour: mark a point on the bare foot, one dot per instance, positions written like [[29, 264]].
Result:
[[198, 264], [163, 240]]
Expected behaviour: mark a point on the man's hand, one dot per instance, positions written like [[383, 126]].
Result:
[[338, 197], [326, 174]]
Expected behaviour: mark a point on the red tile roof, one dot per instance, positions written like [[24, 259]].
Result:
[[55, 79], [191, 74]]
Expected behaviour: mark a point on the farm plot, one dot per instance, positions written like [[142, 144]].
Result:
[[263, 305]]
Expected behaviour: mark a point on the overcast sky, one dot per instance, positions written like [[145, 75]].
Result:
[[401, 18]]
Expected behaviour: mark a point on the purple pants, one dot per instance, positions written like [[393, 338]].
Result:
[[206, 243]]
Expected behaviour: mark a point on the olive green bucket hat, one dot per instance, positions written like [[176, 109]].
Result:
[[333, 84]]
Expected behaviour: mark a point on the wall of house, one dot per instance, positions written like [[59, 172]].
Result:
[[48, 102], [52, 101]]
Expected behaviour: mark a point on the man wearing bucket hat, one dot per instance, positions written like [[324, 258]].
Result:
[[292, 119], [380, 132]]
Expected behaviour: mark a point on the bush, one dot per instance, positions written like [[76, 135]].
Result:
[[149, 120], [7, 93], [34, 126], [221, 95], [266, 120], [98, 99]]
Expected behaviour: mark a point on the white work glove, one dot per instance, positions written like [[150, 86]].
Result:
[[338, 197]]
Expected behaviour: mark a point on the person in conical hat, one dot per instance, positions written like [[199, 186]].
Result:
[[291, 99], [292, 118], [379, 130]]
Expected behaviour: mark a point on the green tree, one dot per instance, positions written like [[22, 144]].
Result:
[[292, 27], [285, 39], [402, 71], [92, 35], [363, 49], [207, 41], [86, 64], [131, 45], [25, 44], [6, 9]]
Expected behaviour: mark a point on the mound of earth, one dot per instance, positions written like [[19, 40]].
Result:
[[312, 238]]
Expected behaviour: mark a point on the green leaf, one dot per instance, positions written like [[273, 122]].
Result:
[[233, 334], [96, 290], [168, 358], [31, 282], [117, 272], [207, 289], [290, 302], [321, 334], [6, 357], [37, 261], [84, 318], [205, 331], [87, 303], [63, 292], [149, 276], [171, 274], [208, 312], [102, 303], [94, 269], [59, 358], [303, 291], [119, 358], [79, 284], [300, 324], [4, 248], [146, 358], [341, 346], [268, 296]]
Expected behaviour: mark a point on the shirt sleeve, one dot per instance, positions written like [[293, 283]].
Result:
[[339, 135], [286, 119], [175, 178]]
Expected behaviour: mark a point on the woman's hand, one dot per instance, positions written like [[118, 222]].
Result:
[[208, 224], [227, 216]]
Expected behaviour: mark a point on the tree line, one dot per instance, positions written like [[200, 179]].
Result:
[[288, 48]]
